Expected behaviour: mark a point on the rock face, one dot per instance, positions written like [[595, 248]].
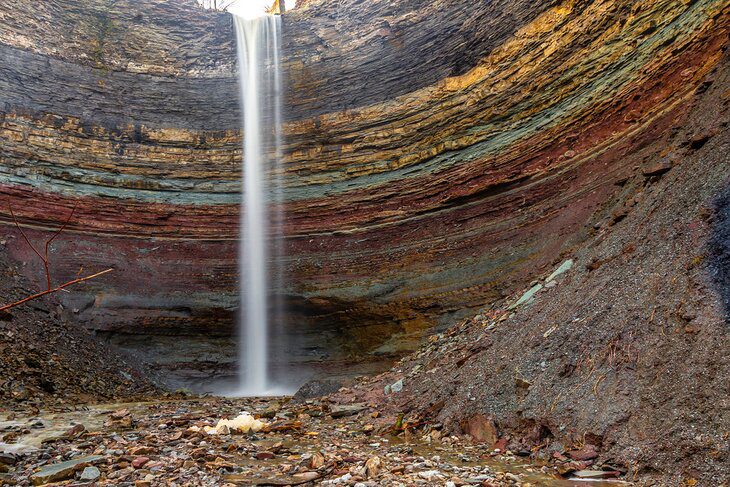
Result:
[[45, 359], [621, 359], [438, 155]]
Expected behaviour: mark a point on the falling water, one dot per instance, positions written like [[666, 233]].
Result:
[[258, 42]]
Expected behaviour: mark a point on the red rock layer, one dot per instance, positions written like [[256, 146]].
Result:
[[435, 154]]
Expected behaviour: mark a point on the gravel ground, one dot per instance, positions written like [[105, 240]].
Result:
[[45, 359], [316, 442]]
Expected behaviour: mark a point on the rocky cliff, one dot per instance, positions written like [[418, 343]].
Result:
[[438, 155], [617, 357]]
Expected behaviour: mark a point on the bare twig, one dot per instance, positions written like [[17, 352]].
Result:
[[48, 243], [44, 257], [27, 240], [46, 263], [54, 290], [217, 4]]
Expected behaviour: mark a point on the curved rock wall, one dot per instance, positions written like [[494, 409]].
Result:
[[436, 154]]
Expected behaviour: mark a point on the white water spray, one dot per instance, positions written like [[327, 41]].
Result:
[[258, 41]]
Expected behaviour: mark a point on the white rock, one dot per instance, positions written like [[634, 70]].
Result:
[[430, 474], [243, 423]]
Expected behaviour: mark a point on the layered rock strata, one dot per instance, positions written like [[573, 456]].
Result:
[[436, 155], [620, 359]]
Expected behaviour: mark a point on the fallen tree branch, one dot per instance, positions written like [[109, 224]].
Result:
[[44, 259], [54, 290], [46, 263]]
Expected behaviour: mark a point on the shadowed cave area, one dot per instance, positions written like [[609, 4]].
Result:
[[499, 248]]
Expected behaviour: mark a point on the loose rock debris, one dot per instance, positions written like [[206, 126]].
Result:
[[209, 442]]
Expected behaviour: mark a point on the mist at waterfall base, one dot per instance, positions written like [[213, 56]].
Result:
[[258, 41]]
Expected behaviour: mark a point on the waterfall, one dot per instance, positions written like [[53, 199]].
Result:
[[258, 43]]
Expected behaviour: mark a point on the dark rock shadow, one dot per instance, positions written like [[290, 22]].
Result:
[[719, 256]]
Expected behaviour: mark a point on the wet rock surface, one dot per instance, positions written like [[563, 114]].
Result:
[[166, 443], [317, 388], [719, 251], [57, 472]]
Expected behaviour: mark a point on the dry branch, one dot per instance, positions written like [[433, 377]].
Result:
[[46, 264], [44, 258], [54, 290]]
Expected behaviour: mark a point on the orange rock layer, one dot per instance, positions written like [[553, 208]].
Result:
[[435, 154]]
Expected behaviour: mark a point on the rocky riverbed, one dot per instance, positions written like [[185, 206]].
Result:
[[312, 442]]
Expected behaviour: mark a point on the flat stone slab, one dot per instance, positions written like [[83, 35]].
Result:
[[596, 474], [348, 410], [564, 267], [61, 471], [527, 297]]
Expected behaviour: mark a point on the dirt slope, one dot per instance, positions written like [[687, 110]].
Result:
[[628, 350], [45, 360]]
